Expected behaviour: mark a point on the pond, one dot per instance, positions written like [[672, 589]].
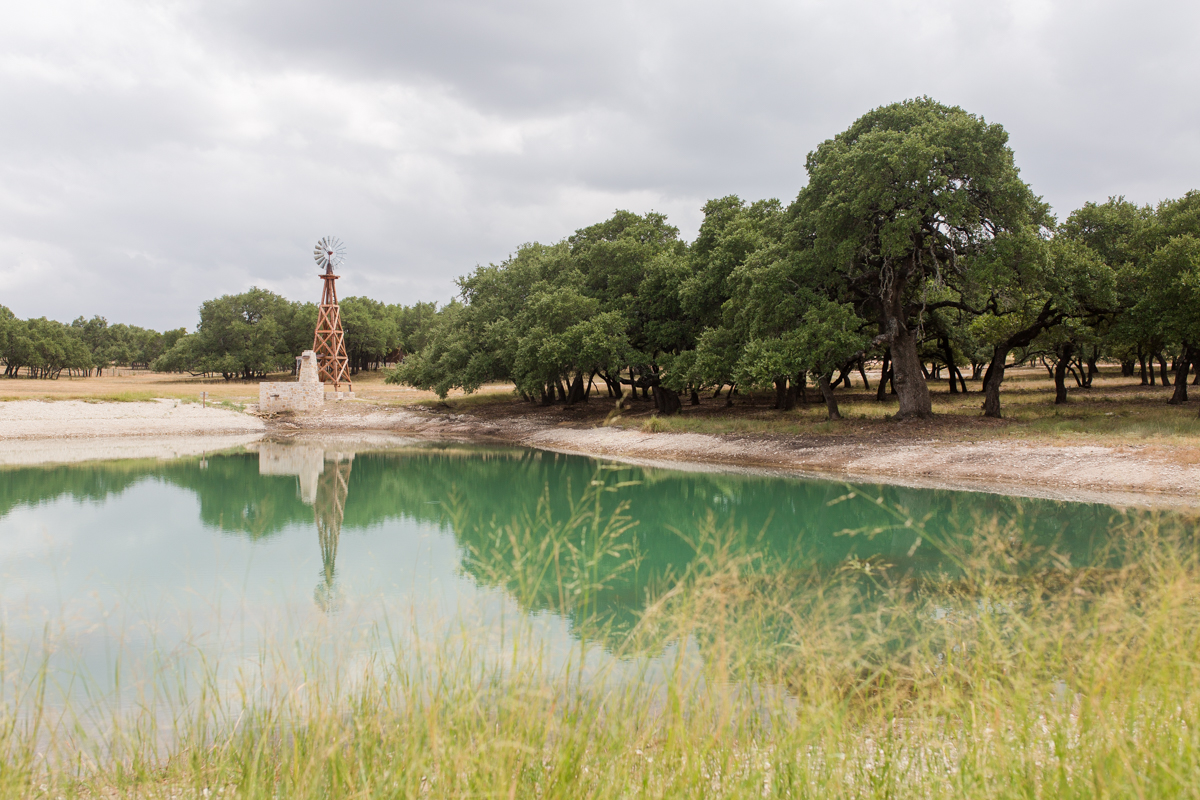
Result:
[[213, 557]]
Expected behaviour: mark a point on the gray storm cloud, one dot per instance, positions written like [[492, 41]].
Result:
[[158, 154]]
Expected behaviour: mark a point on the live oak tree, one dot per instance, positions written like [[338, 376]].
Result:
[[45, 348], [445, 361], [371, 332], [1123, 235], [1173, 298], [1172, 279], [633, 265], [602, 304], [721, 295], [242, 335], [830, 335], [1054, 281], [911, 194]]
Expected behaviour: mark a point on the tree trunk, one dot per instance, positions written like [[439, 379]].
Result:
[[1076, 370], [994, 376], [576, 393], [1181, 376], [830, 401], [951, 369], [1128, 367], [991, 383], [911, 389], [666, 400], [1162, 368], [863, 373], [961, 380], [1060, 373], [695, 398], [883, 375], [794, 389], [784, 400]]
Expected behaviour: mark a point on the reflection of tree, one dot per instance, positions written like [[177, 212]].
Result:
[[330, 510], [90, 481]]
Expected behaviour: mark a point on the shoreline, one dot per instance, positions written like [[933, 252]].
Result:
[[1121, 475]]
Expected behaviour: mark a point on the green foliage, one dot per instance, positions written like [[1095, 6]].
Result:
[[913, 190], [1173, 289], [244, 335], [371, 331], [556, 316], [43, 347]]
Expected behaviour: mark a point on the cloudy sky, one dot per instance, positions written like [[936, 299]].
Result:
[[155, 154]]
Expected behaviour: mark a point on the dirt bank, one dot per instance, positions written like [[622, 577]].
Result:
[[1122, 475]]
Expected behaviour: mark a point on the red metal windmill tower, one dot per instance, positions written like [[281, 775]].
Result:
[[329, 343]]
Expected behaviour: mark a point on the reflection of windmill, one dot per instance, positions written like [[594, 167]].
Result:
[[330, 509], [324, 482]]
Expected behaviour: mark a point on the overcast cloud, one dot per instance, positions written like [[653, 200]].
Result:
[[155, 154]]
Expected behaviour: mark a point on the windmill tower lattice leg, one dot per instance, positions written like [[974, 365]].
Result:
[[329, 343]]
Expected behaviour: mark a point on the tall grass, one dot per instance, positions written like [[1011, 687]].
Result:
[[1011, 672]]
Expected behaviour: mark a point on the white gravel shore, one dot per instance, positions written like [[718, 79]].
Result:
[[36, 419]]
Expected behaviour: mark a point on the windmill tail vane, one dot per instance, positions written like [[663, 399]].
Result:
[[329, 341]]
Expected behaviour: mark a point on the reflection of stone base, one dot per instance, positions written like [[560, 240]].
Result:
[[307, 462]]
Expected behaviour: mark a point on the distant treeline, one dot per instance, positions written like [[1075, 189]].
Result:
[[246, 335], [251, 334], [44, 348], [915, 243]]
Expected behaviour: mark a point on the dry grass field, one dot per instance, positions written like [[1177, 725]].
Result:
[[1114, 410], [126, 385]]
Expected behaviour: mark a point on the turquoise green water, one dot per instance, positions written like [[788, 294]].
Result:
[[111, 560]]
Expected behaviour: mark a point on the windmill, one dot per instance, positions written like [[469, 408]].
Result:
[[329, 343]]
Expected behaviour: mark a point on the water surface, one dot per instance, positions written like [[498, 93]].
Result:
[[214, 556]]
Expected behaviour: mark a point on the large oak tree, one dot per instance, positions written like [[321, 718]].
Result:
[[912, 195]]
